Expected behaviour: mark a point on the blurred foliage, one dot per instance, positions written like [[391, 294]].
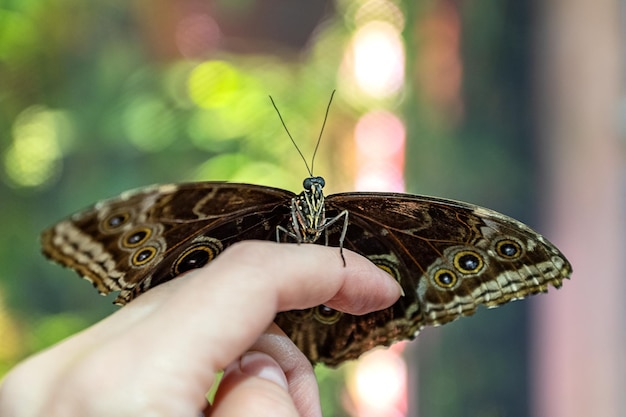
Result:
[[102, 96]]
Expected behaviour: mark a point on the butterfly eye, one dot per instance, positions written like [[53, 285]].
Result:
[[327, 315], [308, 183], [445, 278], [144, 256], [509, 249], [136, 237], [468, 262]]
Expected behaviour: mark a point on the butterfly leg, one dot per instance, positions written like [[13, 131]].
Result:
[[286, 231], [329, 222], [295, 216]]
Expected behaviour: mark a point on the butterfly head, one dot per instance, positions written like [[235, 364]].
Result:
[[312, 183]]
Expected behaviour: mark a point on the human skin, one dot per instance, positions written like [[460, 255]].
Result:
[[158, 355]]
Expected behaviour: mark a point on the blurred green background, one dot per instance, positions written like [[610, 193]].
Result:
[[98, 97]]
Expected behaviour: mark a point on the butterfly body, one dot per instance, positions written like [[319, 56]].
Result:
[[448, 256], [308, 213]]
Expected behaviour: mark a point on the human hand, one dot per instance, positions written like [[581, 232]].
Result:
[[158, 355]]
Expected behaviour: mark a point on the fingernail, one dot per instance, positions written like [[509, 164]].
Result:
[[393, 278], [263, 366], [402, 294]]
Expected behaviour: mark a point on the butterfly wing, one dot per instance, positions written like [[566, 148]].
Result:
[[148, 236], [449, 258]]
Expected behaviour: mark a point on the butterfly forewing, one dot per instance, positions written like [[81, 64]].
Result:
[[147, 236]]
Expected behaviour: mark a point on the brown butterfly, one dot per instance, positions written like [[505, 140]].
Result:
[[449, 257]]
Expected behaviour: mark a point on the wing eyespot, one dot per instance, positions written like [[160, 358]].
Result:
[[468, 262], [144, 255], [327, 315], [193, 258], [445, 278], [388, 267], [115, 221], [198, 255], [509, 249], [136, 237]]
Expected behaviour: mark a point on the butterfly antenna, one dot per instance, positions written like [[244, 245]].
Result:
[[290, 137], [319, 139]]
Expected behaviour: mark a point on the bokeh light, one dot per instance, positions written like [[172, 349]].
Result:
[[377, 59], [149, 123], [39, 136], [197, 35], [214, 84], [378, 384], [380, 134], [380, 143]]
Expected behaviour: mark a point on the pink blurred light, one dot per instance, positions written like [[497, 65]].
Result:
[[380, 141], [380, 134], [197, 35], [378, 384], [380, 177]]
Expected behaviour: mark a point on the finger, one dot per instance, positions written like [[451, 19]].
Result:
[[354, 296], [357, 295], [301, 379], [299, 276], [247, 285], [254, 385]]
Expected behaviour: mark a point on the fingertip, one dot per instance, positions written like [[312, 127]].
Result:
[[261, 365], [254, 385], [367, 287]]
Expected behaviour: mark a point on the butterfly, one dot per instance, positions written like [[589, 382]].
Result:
[[448, 256]]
